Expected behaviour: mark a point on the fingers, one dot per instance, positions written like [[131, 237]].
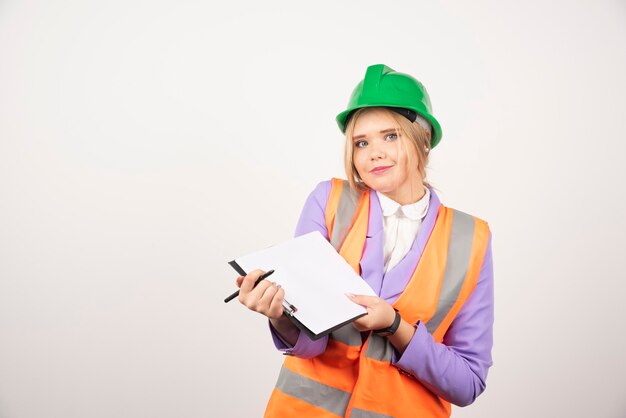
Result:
[[253, 297], [380, 314], [248, 281], [268, 295], [276, 305], [367, 301], [265, 298], [239, 280]]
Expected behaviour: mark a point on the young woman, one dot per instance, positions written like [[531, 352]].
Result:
[[426, 339]]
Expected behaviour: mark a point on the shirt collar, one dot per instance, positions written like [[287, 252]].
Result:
[[414, 211]]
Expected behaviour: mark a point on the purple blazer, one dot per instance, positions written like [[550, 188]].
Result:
[[455, 370]]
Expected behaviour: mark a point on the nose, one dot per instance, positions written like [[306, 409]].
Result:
[[377, 153]]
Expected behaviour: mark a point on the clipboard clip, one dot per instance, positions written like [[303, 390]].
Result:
[[288, 308]]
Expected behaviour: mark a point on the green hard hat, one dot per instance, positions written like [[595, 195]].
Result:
[[383, 86]]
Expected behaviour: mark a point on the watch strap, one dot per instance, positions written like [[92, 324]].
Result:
[[391, 329]]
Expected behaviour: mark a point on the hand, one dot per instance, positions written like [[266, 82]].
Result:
[[380, 314], [266, 298]]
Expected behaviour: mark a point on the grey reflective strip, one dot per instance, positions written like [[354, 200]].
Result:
[[360, 413], [345, 212], [379, 348], [308, 390], [459, 253], [347, 335]]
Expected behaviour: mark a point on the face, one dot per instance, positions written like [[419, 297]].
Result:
[[381, 157]]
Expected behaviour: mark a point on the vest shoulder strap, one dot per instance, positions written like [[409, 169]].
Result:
[[467, 247], [341, 208], [347, 218]]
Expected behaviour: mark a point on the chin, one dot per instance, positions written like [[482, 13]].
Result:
[[380, 185]]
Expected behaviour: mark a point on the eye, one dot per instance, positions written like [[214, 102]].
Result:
[[391, 137], [360, 144]]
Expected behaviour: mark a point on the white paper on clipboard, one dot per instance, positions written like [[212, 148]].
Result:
[[315, 278]]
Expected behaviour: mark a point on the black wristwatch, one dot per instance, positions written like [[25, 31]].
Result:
[[391, 329]]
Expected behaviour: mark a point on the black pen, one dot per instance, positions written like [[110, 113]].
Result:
[[261, 277]]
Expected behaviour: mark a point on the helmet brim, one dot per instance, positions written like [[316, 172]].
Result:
[[436, 127]]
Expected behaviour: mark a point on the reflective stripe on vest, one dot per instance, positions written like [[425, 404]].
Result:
[[379, 348], [308, 390], [347, 217], [347, 335], [343, 204], [344, 213], [356, 380], [459, 251], [360, 413]]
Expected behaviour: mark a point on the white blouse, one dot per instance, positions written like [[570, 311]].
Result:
[[400, 224]]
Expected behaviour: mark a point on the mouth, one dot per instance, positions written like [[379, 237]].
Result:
[[380, 169]]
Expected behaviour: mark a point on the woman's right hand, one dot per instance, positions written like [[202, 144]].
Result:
[[266, 298]]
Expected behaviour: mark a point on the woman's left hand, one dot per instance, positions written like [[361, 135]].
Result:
[[380, 314]]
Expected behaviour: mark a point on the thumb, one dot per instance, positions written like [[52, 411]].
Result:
[[363, 300]]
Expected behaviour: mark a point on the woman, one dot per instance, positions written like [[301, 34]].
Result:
[[426, 339]]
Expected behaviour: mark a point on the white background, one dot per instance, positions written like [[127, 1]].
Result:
[[143, 144]]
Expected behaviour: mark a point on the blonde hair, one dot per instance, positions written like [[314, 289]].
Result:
[[416, 136]]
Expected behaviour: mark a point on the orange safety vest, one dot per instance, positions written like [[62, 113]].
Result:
[[356, 379]]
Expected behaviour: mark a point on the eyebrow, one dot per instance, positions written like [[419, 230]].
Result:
[[384, 131]]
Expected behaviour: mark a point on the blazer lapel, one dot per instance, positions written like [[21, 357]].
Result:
[[372, 263], [395, 280]]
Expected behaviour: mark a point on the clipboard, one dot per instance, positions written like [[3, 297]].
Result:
[[315, 279]]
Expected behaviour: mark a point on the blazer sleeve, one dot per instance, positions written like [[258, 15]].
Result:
[[311, 219], [456, 370]]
